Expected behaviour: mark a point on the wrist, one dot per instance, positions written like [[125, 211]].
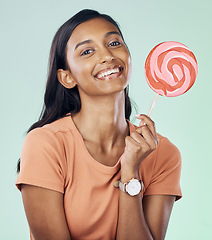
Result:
[[133, 187], [127, 174]]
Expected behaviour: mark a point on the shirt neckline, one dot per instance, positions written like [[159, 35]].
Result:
[[87, 156]]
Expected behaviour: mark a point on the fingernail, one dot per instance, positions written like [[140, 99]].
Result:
[[137, 115], [142, 123]]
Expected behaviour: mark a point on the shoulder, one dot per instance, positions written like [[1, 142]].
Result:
[[53, 134], [161, 170], [62, 125], [165, 146], [165, 155], [167, 149], [164, 170], [167, 161], [43, 156]]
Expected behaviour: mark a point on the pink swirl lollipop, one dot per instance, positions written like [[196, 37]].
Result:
[[170, 69]]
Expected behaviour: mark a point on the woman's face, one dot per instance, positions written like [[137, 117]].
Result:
[[98, 58]]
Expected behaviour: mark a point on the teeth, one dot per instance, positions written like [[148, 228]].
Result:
[[104, 74]]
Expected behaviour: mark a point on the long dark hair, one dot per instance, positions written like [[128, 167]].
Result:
[[58, 100]]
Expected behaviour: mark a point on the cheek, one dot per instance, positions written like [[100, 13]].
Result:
[[128, 62], [79, 70], [82, 67], [129, 66], [82, 73], [126, 57]]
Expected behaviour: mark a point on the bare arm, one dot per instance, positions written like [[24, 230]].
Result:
[[157, 210], [45, 213], [147, 219]]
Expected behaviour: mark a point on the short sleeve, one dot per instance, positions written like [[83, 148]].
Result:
[[42, 161], [167, 170]]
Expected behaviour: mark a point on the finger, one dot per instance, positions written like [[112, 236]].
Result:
[[148, 136], [148, 121], [136, 145], [138, 137], [144, 137]]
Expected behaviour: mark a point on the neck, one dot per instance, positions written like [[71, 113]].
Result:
[[102, 119]]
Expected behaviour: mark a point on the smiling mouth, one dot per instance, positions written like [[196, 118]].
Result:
[[109, 73]]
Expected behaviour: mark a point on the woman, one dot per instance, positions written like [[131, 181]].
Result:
[[84, 143]]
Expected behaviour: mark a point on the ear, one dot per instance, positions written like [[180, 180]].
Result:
[[65, 78]]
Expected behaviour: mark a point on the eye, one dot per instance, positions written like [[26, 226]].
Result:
[[86, 52], [114, 43]]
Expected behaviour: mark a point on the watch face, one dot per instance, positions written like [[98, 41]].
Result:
[[133, 187]]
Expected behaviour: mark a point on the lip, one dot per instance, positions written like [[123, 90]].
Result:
[[113, 75]]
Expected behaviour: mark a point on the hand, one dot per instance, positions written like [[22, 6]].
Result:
[[139, 145]]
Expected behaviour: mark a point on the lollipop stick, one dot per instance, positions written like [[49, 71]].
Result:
[[153, 105]]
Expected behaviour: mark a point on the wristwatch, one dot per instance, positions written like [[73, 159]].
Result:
[[133, 187]]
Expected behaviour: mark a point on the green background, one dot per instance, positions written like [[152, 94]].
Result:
[[27, 28]]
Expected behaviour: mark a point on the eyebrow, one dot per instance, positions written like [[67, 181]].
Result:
[[111, 33], [89, 41]]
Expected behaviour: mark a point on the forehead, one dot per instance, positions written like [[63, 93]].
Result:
[[91, 30]]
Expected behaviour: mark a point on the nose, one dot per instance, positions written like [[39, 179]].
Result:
[[106, 56]]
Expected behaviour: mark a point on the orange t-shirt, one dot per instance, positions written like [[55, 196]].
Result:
[[55, 157]]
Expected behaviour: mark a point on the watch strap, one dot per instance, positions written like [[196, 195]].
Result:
[[122, 186]]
